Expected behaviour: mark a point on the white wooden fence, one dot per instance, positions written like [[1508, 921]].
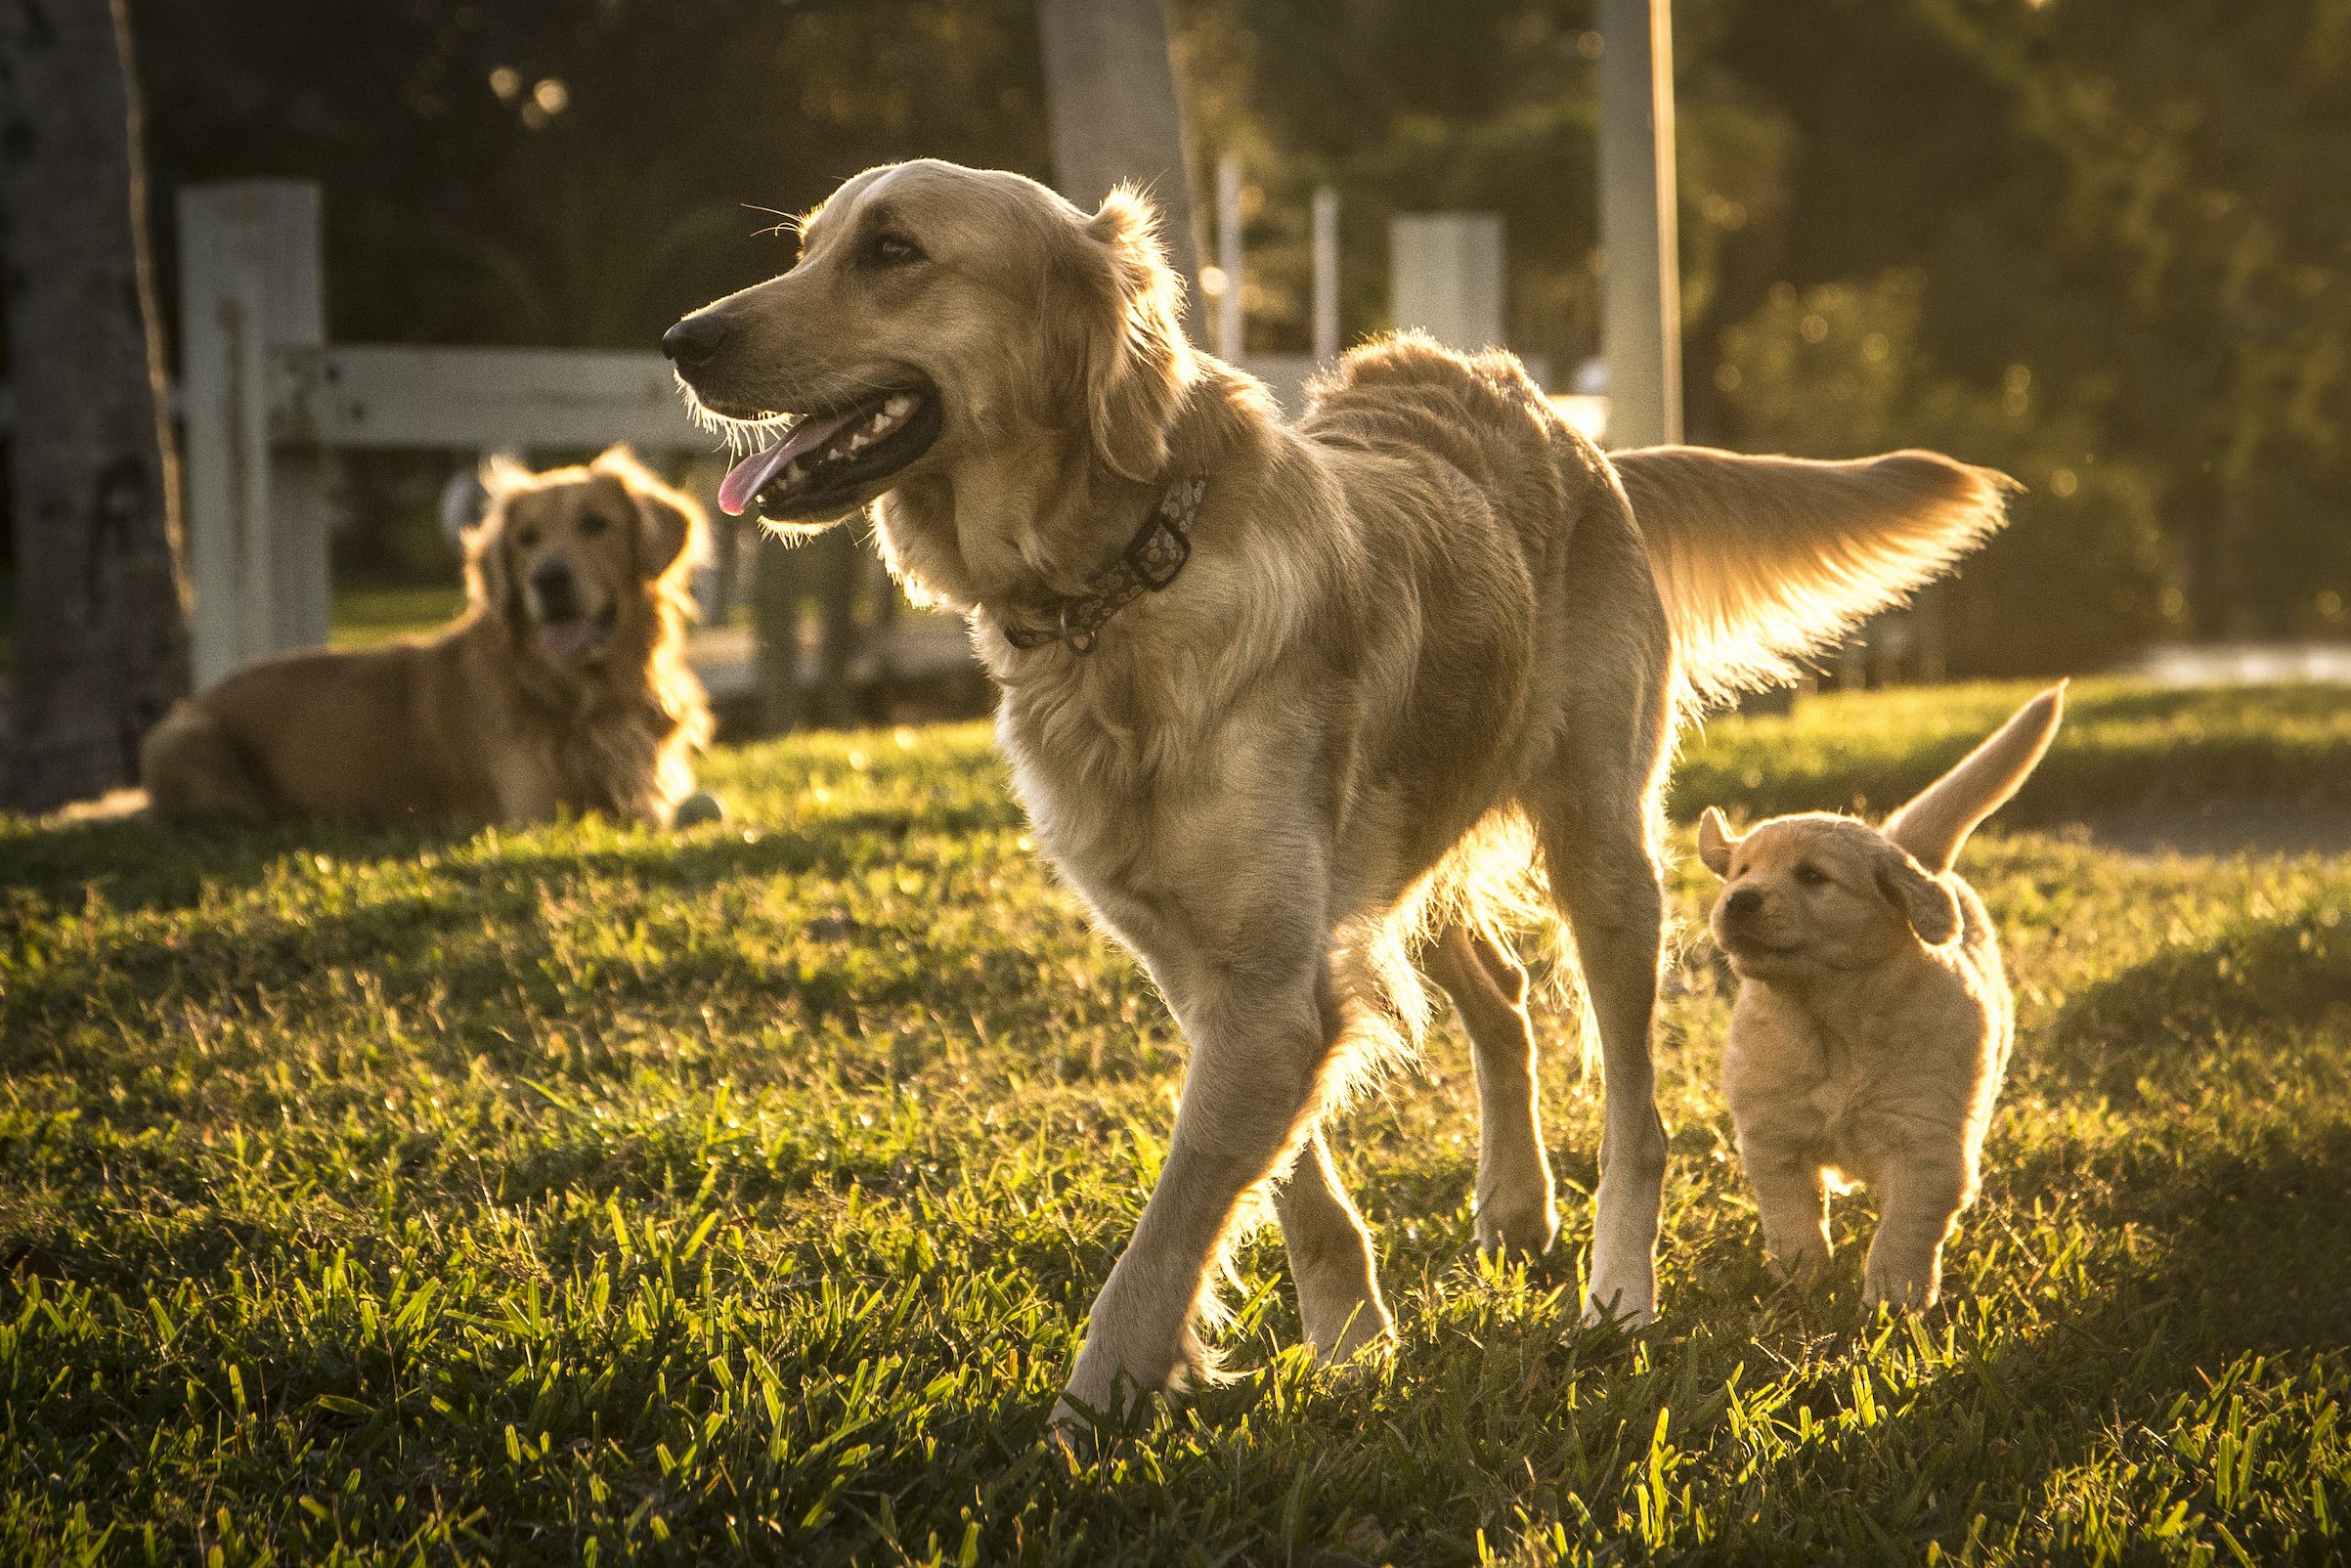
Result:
[[266, 397]]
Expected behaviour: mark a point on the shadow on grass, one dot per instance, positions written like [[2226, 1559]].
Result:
[[2263, 977], [140, 864]]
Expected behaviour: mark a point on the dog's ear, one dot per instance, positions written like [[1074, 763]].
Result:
[[1715, 841], [671, 525], [488, 575], [501, 475], [1137, 360], [1924, 901]]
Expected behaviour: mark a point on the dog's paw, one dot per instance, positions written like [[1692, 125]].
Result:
[[1517, 1232], [1339, 1335], [1617, 1310], [697, 809]]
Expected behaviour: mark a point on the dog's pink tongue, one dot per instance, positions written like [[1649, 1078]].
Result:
[[745, 479], [565, 641]]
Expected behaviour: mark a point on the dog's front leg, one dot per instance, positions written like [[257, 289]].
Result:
[[1791, 1199], [1259, 1036]]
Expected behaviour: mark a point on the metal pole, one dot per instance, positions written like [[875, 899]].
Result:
[[1228, 257], [1641, 331], [1325, 275]]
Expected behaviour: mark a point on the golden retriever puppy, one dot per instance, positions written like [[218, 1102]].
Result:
[[1294, 707], [563, 687], [1873, 1022]]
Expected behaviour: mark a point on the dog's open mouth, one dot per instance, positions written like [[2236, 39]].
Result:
[[571, 641], [829, 463]]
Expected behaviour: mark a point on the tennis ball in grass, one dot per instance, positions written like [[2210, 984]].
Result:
[[697, 809]]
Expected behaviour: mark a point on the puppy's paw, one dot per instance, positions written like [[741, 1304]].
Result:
[[1802, 1266], [1903, 1290]]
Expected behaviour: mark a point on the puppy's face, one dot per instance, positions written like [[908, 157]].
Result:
[[938, 315], [566, 556], [1812, 895]]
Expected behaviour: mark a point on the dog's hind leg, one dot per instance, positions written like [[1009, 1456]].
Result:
[[1330, 1256], [1517, 1208], [194, 773], [1598, 811]]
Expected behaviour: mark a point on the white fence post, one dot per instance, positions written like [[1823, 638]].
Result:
[[1446, 276], [1640, 294], [1325, 275], [256, 520], [1229, 305]]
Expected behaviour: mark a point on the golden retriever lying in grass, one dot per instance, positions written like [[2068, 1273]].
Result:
[[1873, 1023], [563, 687], [1292, 705]]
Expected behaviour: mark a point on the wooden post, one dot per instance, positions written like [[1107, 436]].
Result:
[[249, 286], [1111, 102], [1228, 318], [1325, 275], [1640, 327], [777, 576]]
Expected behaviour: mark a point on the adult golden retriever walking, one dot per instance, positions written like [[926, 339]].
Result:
[[563, 687], [1282, 699]]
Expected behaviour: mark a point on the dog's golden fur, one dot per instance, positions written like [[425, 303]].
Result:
[[1419, 623], [1873, 1022], [563, 687]]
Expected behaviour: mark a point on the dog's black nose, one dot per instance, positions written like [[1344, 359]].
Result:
[[695, 339], [558, 597], [1742, 902]]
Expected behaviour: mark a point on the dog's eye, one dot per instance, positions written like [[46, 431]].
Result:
[[592, 524], [891, 250], [1810, 874], [526, 538]]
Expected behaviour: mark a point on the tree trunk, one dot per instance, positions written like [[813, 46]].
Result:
[[102, 624], [1111, 92]]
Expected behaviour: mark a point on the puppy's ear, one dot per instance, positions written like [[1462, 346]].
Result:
[[1137, 360], [671, 525], [1715, 841], [1931, 908]]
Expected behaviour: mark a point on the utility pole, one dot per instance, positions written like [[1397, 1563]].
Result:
[[1641, 322]]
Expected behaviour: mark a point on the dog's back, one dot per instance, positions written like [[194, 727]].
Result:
[[384, 735]]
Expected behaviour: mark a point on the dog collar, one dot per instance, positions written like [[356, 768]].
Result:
[[1149, 563]]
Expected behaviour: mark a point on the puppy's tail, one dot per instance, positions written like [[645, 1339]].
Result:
[[1937, 820], [1763, 560]]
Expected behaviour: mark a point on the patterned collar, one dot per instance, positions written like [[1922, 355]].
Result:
[[1149, 563]]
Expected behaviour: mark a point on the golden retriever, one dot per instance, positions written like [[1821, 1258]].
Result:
[[1298, 708], [1873, 1022], [563, 687]]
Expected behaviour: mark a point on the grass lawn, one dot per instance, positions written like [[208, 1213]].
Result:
[[366, 616], [566, 1195]]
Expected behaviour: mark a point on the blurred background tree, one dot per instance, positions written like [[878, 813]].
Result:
[[2098, 244]]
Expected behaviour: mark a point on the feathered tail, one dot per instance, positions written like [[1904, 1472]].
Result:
[[1763, 560], [1933, 823]]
